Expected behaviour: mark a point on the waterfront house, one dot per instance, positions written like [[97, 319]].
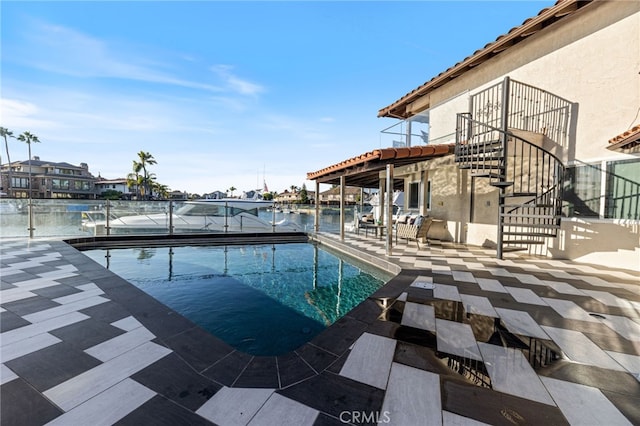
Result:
[[118, 185], [531, 143], [48, 180]]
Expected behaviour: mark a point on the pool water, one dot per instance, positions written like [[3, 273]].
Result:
[[261, 299]]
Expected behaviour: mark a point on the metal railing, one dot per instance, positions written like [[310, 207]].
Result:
[[529, 109]]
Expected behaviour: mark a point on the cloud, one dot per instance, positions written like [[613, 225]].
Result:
[[235, 83], [69, 52]]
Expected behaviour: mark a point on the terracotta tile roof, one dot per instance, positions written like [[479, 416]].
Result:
[[545, 17], [626, 140], [363, 170]]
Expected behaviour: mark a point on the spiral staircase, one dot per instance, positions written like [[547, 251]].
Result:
[[501, 140]]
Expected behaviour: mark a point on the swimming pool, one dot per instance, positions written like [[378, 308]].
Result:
[[265, 299]]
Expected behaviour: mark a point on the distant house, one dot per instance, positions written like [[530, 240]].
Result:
[[531, 143], [120, 185], [294, 197], [49, 179], [178, 195], [332, 196]]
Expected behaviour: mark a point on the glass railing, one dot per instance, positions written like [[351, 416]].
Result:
[[77, 218], [404, 133]]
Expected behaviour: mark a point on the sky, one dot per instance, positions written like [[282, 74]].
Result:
[[225, 94]]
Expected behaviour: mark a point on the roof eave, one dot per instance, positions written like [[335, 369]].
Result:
[[561, 9]]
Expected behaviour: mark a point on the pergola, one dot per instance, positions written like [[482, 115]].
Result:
[[374, 169]]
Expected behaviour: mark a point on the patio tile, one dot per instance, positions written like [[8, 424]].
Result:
[[118, 345], [281, 410], [52, 365], [583, 404], [234, 406], [511, 373], [488, 284], [525, 295], [478, 305], [10, 321], [451, 419], [228, 369], [334, 394], [412, 397], [521, 323], [292, 369], [495, 408], [127, 324], [630, 362], [87, 333], [23, 405], [108, 407], [26, 346], [159, 411], [446, 292], [457, 339], [419, 316], [64, 309], [92, 382], [568, 309], [6, 374], [175, 380], [579, 348], [315, 357], [260, 372], [369, 360]]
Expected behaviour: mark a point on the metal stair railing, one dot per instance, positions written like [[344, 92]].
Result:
[[526, 174]]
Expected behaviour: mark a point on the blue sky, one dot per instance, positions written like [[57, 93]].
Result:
[[225, 93]]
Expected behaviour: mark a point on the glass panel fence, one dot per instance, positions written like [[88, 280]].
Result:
[[77, 218]]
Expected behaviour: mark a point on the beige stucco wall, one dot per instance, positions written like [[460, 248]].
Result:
[[592, 59]]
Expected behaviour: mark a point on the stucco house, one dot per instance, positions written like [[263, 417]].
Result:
[[531, 143]]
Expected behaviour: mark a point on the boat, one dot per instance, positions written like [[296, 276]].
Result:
[[204, 215]]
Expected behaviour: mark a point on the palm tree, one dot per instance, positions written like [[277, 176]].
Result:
[[231, 189], [4, 132], [133, 182], [145, 160], [29, 138]]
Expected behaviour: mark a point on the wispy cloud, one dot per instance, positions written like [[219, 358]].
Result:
[[69, 52], [235, 83]]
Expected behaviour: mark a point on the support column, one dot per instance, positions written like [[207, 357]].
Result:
[[316, 219], [381, 204], [389, 209], [342, 214]]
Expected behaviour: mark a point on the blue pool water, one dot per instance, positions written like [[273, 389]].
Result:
[[261, 299]]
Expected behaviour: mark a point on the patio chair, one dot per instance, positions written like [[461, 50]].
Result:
[[414, 231]]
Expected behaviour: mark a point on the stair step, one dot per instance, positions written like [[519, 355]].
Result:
[[530, 206], [522, 242], [530, 234], [480, 146], [530, 216], [521, 194], [488, 174], [479, 158], [501, 184], [531, 225]]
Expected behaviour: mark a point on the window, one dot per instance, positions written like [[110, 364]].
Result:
[[428, 195], [581, 191], [414, 195], [17, 182], [622, 200]]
